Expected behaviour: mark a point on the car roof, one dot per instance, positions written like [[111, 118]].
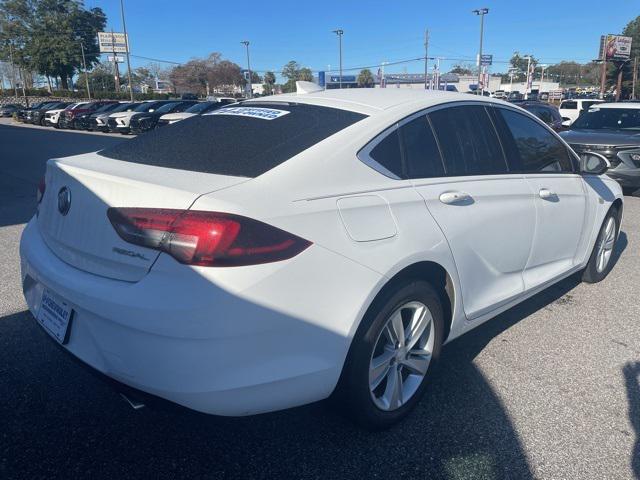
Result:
[[629, 105], [372, 101]]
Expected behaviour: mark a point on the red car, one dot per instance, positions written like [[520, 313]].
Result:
[[68, 117]]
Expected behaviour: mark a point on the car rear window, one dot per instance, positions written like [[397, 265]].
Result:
[[244, 140]]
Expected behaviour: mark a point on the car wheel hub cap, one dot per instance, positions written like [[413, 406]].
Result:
[[401, 356], [606, 242]]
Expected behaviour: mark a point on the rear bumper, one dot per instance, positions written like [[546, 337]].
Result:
[[240, 344]]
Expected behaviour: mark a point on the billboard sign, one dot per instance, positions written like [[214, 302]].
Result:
[[486, 60], [616, 47], [345, 78], [112, 42], [111, 58]]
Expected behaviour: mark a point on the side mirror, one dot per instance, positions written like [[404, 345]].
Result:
[[566, 123], [593, 163]]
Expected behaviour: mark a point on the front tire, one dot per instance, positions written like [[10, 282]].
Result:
[[392, 355], [600, 263]]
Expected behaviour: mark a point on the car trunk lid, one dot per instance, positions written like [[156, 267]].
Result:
[[81, 234]]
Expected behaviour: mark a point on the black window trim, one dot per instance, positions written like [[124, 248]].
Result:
[[365, 157]]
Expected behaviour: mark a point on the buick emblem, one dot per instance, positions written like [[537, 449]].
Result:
[[64, 200]]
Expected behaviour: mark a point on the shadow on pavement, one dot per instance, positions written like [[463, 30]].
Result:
[[59, 422], [631, 373]]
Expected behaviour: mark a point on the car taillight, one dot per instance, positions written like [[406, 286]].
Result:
[[205, 238], [41, 188]]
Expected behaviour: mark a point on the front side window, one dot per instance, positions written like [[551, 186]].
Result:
[[468, 141], [529, 147]]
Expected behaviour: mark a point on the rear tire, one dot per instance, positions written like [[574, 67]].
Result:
[[385, 374], [600, 263]]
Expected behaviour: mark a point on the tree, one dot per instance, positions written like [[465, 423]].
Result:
[[462, 69], [225, 77], [519, 65], [45, 35], [269, 83], [365, 78], [631, 30], [293, 72]]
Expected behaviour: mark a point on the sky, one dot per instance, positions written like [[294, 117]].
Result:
[[374, 31]]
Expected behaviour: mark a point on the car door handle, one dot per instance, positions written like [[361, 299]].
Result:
[[451, 198], [546, 194]]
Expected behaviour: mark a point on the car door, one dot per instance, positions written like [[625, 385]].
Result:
[[560, 197], [486, 214]]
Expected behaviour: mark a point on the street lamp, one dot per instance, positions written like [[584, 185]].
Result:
[[250, 92], [481, 12], [340, 32]]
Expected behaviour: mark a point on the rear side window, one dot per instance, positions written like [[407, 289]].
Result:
[[468, 141], [531, 148], [569, 105], [421, 152], [243, 140], [387, 153]]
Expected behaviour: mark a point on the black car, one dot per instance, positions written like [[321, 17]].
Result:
[[24, 111], [612, 130], [36, 115], [9, 109], [145, 121], [87, 120], [546, 112], [69, 116]]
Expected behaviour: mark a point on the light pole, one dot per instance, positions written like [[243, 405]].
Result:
[[126, 41], [340, 32], [250, 90], [541, 78], [481, 12], [84, 65]]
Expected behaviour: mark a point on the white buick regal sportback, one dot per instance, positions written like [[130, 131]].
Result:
[[294, 247]]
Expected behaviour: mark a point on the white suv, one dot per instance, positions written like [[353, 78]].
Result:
[[571, 109]]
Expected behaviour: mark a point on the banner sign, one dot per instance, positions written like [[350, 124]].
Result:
[[112, 42], [616, 47], [486, 60]]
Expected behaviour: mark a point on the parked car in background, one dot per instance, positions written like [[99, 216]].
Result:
[[500, 94], [515, 96], [68, 118], [119, 122], [612, 130], [30, 113], [142, 122], [51, 117], [290, 248], [571, 109], [84, 120], [98, 120], [197, 109], [37, 115], [546, 112], [9, 109], [22, 111]]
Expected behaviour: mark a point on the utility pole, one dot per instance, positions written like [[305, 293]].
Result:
[[620, 66], [481, 12], [541, 78], [635, 78], [115, 61], [84, 66], [603, 73], [426, 59], [249, 82], [126, 43], [340, 32], [13, 71], [526, 86]]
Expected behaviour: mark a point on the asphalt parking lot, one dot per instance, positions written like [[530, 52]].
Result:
[[549, 389]]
